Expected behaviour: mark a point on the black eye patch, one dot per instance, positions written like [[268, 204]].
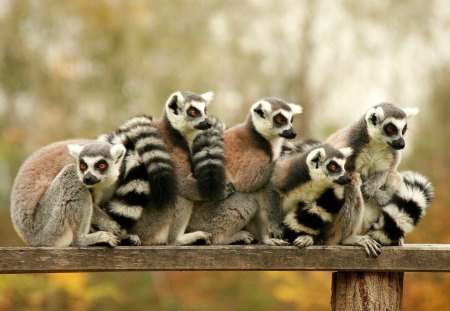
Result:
[[193, 112], [334, 167], [390, 129], [101, 165], [83, 166], [279, 119]]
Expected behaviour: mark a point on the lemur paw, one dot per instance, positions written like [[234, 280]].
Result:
[[382, 198], [247, 238], [276, 231], [109, 238], [276, 242], [134, 240], [356, 179], [372, 247], [110, 226], [368, 191], [207, 238], [303, 241]]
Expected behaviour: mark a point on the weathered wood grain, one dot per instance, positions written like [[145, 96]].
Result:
[[432, 258], [362, 291]]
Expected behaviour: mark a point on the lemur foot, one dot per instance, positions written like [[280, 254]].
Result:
[[276, 231], [372, 247], [134, 240], [303, 241], [275, 242], [368, 191]]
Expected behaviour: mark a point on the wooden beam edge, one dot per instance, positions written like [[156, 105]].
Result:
[[407, 258]]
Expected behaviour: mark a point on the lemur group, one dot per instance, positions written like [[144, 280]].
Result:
[[186, 179]]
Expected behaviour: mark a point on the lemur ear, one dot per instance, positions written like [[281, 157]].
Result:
[[172, 102], [208, 96], [75, 150], [117, 152], [296, 109], [411, 112], [375, 115], [261, 108], [316, 157], [346, 151]]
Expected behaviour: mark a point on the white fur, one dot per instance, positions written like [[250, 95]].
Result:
[[75, 150], [154, 141], [296, 109], [139, 186], [66, 239], [321, 212], [208, 97], [117, 152], [413, 193], [146, 157], [291, 221], [402, 219], [132, 160], [133, 212], [410, 112], [308, 193], [375, 157], [346, 151]]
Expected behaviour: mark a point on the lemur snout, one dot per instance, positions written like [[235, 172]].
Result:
[[90, 179], [289, 134], [343, 180], [398, 144], [204, 125]]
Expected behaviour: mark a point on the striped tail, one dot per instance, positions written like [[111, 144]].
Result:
[[299, 146], [208, 161], [405, 209]]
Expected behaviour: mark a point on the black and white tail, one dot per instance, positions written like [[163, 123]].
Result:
[[406, 207], [147, 170], [208, 161], [299, 146]]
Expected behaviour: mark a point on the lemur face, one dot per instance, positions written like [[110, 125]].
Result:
[[98, 162], [187, 111], [272, 118], [387, 123], [327, 164]]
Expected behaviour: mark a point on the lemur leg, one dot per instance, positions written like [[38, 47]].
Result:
[[268, 217], [154, 225], [223, 219], [104, 222], [240, 236], [178, 235]]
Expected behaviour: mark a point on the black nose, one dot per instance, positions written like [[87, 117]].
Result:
[[90, 179], [204, 125], [289, 134], [343, 180], [398, 144]]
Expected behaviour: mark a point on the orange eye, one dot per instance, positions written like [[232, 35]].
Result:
[[102, 166], [279, 119], [333, 168], [193, 112], [83, 166]]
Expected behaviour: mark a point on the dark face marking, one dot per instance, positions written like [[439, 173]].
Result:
[[279, 120], [390, 129], [333, 167], [101, 166], [373, 119], [193, 112], [83, 166], [404, 129]]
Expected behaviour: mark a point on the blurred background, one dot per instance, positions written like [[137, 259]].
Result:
[[80, 68]]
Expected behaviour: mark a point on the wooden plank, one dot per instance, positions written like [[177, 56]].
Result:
[[432, 258]]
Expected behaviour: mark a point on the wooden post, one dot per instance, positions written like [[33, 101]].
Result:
[[367, 291]]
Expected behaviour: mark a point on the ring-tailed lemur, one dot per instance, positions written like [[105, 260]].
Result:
[[250, 150], [184, 117], [410, 195], [376, 140], [56, 196], [319, 198], [147, 171]]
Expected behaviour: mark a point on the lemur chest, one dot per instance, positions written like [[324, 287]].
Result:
[[373, 159]]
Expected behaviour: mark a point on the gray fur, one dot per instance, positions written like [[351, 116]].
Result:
[[62, 212]]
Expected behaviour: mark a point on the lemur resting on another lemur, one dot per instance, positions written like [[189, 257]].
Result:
[[250, 151], [319, 199], [375, 140], [56, 194], [198, 161]]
